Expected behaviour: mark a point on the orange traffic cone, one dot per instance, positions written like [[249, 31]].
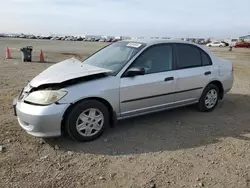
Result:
[[8, 56], [41, 56]]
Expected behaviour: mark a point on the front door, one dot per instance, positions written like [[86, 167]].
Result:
[[152, 91]]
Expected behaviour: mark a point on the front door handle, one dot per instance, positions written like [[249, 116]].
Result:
[[169, 79], [207, 73]]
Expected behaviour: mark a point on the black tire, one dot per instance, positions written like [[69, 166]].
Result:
[[74, 113], [201, 105]]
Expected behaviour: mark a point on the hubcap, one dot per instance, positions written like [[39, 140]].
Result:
[[211, 98], [90, 122]]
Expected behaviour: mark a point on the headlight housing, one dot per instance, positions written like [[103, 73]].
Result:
[[45, 97]]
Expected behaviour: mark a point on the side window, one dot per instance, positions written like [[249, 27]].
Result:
[[155, 59], [205, 59], [188, 56]]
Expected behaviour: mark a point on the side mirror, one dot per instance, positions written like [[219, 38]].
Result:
[[135, 71]]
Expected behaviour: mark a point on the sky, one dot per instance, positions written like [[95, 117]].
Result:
[[164, 18]]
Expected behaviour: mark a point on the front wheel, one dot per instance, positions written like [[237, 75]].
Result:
[[87, 120], [209, 98]]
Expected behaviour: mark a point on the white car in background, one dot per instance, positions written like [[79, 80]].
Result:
[[216, 44]]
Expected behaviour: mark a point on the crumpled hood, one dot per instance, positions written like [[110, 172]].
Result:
[[65, 70]]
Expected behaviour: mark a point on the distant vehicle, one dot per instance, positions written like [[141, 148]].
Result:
[[102, 40], [22, 36], [31, 37], [69, 39], [109, 40], [61, 38], [201, 42], [216, 44], [124, 79], [79, 39], [226, 44], [90, 39], [45, 37], [232, 42], [114, 40], [242, 45]]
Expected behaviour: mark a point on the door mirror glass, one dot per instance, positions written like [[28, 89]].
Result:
[[135, 71]]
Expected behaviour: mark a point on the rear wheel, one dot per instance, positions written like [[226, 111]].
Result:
[[87, 120], [209, 98]]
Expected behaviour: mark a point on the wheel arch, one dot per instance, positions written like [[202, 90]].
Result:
[[220, 87], [112, 114]]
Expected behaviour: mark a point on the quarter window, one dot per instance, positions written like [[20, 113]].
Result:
[[205, 59], [188, 56], [155, 59]]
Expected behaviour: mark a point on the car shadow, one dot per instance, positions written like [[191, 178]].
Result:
[[169, 130]]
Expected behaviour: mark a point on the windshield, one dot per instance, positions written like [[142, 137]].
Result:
[[114, 56]]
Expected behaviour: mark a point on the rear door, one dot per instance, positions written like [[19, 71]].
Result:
[[149, 92], [195, 71]]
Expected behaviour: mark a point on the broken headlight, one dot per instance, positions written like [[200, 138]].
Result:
[[45, 97]]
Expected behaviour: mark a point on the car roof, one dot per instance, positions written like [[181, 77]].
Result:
[[150, 42]]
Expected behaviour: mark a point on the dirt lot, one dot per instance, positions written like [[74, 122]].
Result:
[[176, 148]]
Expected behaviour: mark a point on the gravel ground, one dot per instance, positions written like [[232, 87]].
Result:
[[175, 148]]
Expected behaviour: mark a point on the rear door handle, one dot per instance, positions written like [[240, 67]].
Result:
[[169, 79], [207, 73]]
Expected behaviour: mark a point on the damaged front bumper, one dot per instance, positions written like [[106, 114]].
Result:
[[40, 121]]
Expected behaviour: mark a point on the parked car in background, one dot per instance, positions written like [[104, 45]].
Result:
[[92, 39], [216, 44], [242, 45], [226, 44], [201, 42], [53, 38], [102, 40], [68, 39], [32, 37], [79, 39], [109, 40], [114, 40], [232, 42], [122, 80]]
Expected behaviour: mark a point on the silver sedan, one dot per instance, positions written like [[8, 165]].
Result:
[[122, 80]]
